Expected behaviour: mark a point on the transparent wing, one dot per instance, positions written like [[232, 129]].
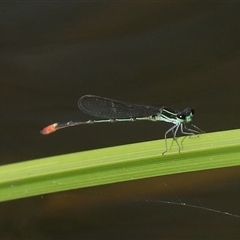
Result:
[[112, 109]]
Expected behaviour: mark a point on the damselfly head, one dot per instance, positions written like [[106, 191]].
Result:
[[186, 115]]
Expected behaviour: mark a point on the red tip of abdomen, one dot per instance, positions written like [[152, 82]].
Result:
[[49, 129]]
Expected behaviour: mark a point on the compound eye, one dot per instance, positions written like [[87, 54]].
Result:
[[181, 116]]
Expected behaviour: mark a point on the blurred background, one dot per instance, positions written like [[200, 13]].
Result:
[[176, 54]]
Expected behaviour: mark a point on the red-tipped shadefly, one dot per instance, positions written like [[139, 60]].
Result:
[[49, 129]]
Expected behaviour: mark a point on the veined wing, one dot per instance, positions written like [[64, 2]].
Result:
[[112, 109]]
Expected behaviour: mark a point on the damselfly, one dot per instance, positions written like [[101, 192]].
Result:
[[117, 111]]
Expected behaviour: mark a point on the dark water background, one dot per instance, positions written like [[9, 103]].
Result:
[[156, 53]]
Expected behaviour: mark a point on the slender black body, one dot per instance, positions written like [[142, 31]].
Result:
[[116, 111]]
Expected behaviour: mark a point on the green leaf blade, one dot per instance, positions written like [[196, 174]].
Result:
[[117, 164]]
